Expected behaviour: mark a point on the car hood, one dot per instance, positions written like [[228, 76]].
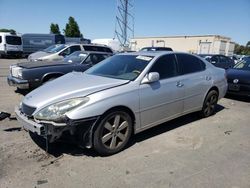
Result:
[[242, 75], [37, 55], [36, 64], [71, 85]]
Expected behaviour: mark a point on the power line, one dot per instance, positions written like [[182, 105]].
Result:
[[124, 26]]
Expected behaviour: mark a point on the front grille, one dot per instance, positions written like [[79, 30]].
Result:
[[27, 110]]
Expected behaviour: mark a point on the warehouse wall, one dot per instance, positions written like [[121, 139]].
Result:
[[212, 44]]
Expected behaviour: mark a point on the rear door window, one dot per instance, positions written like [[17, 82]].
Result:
[[107, 50], [13, 40], [90, 48], [0, 39], [190, 64], [74, 48]]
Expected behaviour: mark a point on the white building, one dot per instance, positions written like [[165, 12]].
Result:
[[202, 44]]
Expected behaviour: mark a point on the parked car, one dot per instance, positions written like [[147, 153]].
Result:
[[146, 49], [239, 78], [58, 52], [33, 74], [234, 58], [123, 95], [33, 42], [10, 45], [218, 60]]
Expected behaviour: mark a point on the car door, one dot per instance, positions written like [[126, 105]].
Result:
[[161, 100], [195, 79]]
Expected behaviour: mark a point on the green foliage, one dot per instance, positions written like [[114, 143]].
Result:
[[54, 28], [242, 50], [72, 28], [12, 31], [248, 44]]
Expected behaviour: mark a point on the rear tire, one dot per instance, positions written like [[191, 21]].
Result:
[[112, 133], [209, 104]]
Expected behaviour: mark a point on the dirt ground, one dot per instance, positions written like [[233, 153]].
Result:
[[187, 152]]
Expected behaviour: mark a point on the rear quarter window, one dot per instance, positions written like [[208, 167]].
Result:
[[190, 64], [0, 39]]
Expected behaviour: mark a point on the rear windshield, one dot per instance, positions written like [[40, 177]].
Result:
[[13, 40]]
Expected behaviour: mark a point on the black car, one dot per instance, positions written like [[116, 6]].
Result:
[[219, 60], [30, 75], [239, 78], [156, 49]]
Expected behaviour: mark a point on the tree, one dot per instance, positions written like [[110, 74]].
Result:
[[12, 31], [241, 50], [54, 28], [72, 28], [248, 44]]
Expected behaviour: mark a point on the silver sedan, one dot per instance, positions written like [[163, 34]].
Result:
[[123, 95]]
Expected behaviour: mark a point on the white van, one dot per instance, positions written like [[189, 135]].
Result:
[[10, 45]]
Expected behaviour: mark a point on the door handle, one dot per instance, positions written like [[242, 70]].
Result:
[[179, 84], [208, 78]]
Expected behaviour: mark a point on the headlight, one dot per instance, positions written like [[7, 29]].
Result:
[[16, 71], [56, 112]]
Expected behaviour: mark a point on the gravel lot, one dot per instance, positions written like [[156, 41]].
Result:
[[186, 152]]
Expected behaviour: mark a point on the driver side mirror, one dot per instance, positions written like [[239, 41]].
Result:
[[150, 78]]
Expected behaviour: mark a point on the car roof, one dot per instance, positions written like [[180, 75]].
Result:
[[152, 53], [99, 45]]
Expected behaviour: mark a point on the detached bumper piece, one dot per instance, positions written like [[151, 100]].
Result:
[[74, 128], [21, 84]]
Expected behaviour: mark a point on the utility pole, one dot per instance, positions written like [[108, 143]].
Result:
[[124, 26]]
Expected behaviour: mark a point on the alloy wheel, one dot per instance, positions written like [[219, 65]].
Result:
[[115, 131], [210, 105]]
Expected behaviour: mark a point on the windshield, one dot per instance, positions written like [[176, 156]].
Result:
[[126, 67], [49, 48], [56, 48], [243, 65], [13, 40], [76, 57]]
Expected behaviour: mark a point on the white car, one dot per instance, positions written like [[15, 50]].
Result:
[[122, 95], [59, 51]]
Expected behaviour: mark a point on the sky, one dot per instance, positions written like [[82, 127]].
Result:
[[96, 18]]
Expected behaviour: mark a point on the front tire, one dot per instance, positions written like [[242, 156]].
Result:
[[112, 133], [209, 104]]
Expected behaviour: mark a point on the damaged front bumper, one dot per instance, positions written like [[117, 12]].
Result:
[[52, 132]]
